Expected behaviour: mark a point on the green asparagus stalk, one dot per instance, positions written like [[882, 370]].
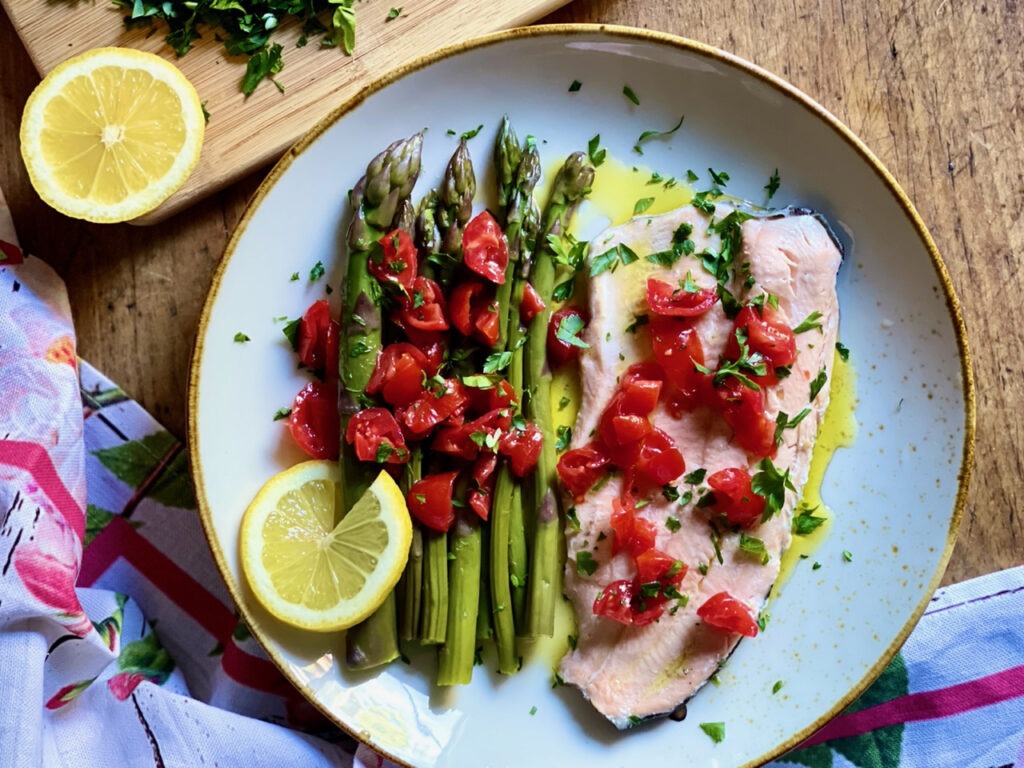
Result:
[[506, 523], [456, 656], [410, 588], [434, 603], [454, 207], [571, 185], [376, 200]]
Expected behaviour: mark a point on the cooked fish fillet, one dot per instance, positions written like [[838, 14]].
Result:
[[630, 672]]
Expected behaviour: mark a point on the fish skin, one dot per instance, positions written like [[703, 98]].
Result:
[[629, 673]]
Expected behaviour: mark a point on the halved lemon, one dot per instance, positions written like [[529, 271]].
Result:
[[314, 568], [111, 133]]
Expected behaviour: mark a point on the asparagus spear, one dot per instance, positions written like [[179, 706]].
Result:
[[507, 515], [410, 588], [434, 603], [571, 185], [456, 657], [454, 207], [376, 199]]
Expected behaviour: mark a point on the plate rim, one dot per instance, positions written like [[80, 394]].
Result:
[[637, 34]]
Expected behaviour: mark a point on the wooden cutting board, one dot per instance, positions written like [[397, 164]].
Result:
[[244, 134]]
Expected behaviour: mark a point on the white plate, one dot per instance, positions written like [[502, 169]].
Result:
[[897, 493]]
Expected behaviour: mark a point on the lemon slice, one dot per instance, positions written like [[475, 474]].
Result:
[[312, 570], [110, 134]]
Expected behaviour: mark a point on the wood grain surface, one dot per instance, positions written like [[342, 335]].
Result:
[[935, 88], [246, 133]]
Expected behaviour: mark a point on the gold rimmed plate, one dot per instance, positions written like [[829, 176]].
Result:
[[897, 492]]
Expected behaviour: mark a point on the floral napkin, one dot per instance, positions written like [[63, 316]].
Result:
[[119, 644]]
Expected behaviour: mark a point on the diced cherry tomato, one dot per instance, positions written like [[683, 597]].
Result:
[[743, 409], [483, 468], [314, 420], [312, 338], [459, 440], [430, 500], [431, 407], [734, 497], [433, 346], [647, 371], [635, 397], [580, 468], [631, 533], [623, 601], [463, 297], [484, 249], [660, 461], [768, 334], [678, 349], [483, 476], [474, 311], [531, 305], [672, 301], [424, 308], [655, 565], [480, 502], [615, 601], [723, 611], [396, 261], [502, 395], [560, 353], [399, 373], [522, 447], [376, 436]]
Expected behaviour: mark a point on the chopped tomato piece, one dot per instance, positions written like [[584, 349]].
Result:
[[468, 439], [480, 502], [399, 373], [723, 611], [376, 436], [531, 305], [502, 395], [743, 409], [431, 407], [424, 308], [395, 262], [559, 352], [484, 248], [615, 602], [678, 350], [314, 420], [647, 371], [630, 429], [483, 468], [485, 323], [654, 565], [660, 461], [430, 500], [580, 468], [768, 334], [734, 497], [312, 338], [668, 300], [463, 297], [631, 533], [522, 447], [627, 415]]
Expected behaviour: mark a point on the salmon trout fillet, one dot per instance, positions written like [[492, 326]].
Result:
[[627, 672]]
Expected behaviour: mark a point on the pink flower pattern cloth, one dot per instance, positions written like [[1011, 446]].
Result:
[[119, 644]]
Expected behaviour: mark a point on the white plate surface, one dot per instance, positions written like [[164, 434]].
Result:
[[897, 492]]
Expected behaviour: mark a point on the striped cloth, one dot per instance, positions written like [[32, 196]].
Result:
[[119, 643]]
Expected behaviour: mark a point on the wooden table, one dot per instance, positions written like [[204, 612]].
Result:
[[934, 87]]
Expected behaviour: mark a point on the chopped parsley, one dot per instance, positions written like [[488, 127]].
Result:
[[564, 437], [610, 259], [472, 133], [818, 383], [777, 687], [810, 322], [642, 205], [282, 413], [670, 492], [262, 64], [574, 521], [585, 563], [696, 477], [805, 522], [672, 523], [638, 321], [294, 277], [316, 272], [847, 556], [843, 352], [772, 485], [783, 422], [564, 290], [359, 349], [291, 332], [630, 94], [646, 135], [773, 184], [563, 402], [568, 331], [241, 338], [715, 731], [574, 86], [498, 361], [595, 154], [754, 546], [393, 14]]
